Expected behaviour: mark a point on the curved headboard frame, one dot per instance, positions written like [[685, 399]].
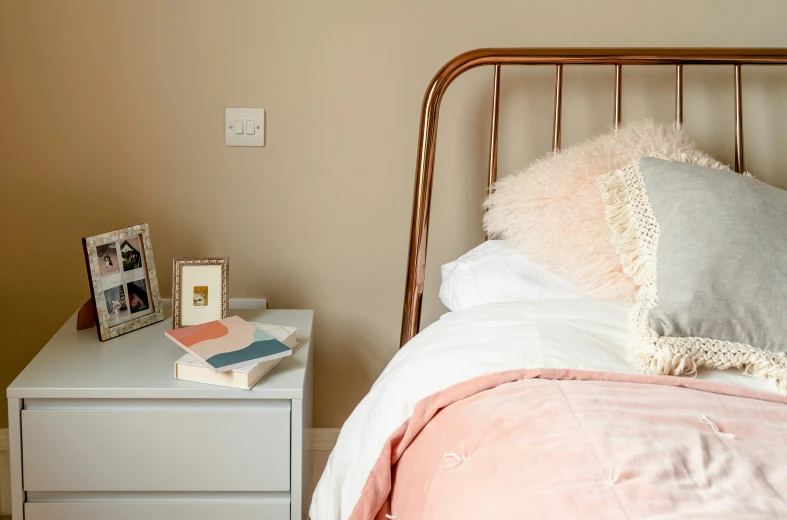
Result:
[[427, 136]]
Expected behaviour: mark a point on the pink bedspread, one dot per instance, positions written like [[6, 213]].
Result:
[[584, 445]]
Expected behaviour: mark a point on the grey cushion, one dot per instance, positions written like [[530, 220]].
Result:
[[709, 249]]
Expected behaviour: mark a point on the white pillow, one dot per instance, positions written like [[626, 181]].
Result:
[[496, 272]]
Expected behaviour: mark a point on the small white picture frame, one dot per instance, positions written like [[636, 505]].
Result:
[[200, 289]]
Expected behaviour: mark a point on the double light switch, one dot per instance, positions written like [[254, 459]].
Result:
[[244, 127], [240, 127]]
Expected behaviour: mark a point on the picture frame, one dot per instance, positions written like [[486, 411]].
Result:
[[200, 290], [123, 284]]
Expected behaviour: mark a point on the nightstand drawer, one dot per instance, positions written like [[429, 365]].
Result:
[[158, 510], [156, 445]]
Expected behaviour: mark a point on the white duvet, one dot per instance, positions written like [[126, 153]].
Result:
[[492, 338]]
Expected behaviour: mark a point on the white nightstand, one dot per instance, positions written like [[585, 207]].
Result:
[[104, 430]]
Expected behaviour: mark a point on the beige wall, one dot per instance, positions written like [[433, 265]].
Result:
[[112, 115]]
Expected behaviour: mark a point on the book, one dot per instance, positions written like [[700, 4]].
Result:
[[228, 343], [189, 369]]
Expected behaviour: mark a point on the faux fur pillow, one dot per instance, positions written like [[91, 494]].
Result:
[[553, 212]]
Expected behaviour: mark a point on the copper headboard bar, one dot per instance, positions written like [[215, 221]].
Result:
[[556, 131], [739, 167], [618, 93], [493, 137], [427, 137], [679, 95]]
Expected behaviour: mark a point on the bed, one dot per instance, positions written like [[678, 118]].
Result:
[[531, 407]]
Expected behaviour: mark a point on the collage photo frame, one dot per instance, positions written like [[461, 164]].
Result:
[[123, 282]]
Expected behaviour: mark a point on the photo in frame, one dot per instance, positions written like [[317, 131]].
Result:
[[200, 290], [123, 283]]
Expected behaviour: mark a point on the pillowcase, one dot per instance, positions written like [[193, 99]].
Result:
[[709, 249], [553, 213], [496, 272]]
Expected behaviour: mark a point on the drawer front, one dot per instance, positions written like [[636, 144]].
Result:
[[200, 447], [158, 511]]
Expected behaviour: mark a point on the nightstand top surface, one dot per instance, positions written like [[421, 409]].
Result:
[[76, 365]]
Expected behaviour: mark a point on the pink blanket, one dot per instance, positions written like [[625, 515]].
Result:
[[532, 410], [573, 444]]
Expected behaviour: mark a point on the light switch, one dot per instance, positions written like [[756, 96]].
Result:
[[244, 127]]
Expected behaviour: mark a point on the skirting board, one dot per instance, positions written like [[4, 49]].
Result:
[[5, 474], [323, 440]]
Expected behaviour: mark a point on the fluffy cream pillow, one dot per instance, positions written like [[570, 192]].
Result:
[[553, 212]]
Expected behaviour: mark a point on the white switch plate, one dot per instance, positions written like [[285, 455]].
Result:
[[256, 115]]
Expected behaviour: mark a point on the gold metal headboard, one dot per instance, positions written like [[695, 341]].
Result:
[[427, 137]]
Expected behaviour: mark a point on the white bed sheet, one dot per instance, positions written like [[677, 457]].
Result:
[[572, 333]]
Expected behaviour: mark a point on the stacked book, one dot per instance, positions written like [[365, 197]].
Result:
[[231, 352]]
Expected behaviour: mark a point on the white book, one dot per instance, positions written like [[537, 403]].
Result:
[[189, 369]]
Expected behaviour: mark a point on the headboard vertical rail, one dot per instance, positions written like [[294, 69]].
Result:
[[679, 95], [618, 95], [556, 128], [492, 178], [493, 132], [427, 136], [739, 165]]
